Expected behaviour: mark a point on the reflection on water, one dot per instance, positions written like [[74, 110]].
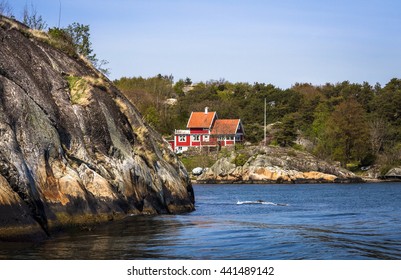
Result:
[[131, 238], [319, 222]]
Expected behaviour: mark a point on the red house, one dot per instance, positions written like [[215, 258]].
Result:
[[204, 129]]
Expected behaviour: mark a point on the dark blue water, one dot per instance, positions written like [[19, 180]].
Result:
[[356, 221]]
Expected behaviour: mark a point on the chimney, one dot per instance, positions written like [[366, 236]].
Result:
[[206, 110]]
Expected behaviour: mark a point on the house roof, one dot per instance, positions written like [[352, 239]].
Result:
[[201, 119], [225, 126]]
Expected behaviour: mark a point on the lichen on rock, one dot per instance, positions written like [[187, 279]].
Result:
[[73, 149]]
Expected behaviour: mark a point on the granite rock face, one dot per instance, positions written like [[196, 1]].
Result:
[[275, 165], [394, 173], [73, 149]]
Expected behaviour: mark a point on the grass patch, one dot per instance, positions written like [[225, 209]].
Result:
[[192, 161], [353, 166], [79, 89]]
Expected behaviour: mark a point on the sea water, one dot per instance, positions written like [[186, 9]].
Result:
[[317, 222]]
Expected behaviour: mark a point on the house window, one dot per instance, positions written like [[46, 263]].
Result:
[[206, 138], [195, 137], [182, 138]]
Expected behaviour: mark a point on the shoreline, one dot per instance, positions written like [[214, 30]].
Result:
[[293, 182]]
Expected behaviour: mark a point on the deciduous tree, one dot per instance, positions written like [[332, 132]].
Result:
[[80, 35], [347, 132]]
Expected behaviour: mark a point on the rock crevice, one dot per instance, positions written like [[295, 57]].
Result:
[[276, 165], [65, 160]]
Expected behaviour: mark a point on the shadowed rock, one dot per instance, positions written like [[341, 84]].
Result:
[[73, 149]]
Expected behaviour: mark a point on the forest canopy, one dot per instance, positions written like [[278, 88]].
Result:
[[354, 124]]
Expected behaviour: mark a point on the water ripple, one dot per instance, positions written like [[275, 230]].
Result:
[[318, 222]]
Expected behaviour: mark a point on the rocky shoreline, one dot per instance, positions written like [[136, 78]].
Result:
[[276, 165], [298, 181]]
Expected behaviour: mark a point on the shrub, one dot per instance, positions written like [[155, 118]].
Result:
[[384, 169], [240, 159], [61, 39], [353, 166], [292, 153], [298, 147]]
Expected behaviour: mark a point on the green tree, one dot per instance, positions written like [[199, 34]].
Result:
[[254, 132], [311, 98], [80, 35], [318, 129], [152, 116], [347, 132], [179, 87], [388, 102], [150, 95], [287, 131]]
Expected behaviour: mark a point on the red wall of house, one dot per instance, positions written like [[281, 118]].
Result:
[[182, 144], [227, 142]]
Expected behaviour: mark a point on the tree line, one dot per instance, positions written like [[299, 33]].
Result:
[[355, 124]]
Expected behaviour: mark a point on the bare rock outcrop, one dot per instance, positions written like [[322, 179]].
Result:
[[73, 149], [393, 173], [275, 165]]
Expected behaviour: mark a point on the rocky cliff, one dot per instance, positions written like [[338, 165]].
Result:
[[274, 165], [73, 150]]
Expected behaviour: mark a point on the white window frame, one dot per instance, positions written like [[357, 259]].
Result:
[[195, 137], [182, 138]]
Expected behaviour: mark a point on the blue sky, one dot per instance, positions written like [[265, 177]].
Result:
[[279, 42]]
